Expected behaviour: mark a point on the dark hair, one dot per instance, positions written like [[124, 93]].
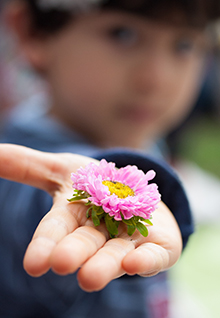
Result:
[[195, 13]]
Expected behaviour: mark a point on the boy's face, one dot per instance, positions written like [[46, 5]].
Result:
[[122, 80]]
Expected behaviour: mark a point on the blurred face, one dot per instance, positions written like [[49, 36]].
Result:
[[121, 80]]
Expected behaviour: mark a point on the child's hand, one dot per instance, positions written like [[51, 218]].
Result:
[[65, 240]]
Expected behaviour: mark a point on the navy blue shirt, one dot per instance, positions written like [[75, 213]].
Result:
[[22, 207]]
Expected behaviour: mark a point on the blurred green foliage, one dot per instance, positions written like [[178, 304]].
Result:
[[200, 143], [199, 268]]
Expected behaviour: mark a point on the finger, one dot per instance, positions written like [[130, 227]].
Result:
[[76, 248], [25, 165], [43, 170], [105, 265], [58, 223], [146, 260], [160, 250]]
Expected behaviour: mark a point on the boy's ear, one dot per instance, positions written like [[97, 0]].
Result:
[[32, 45]]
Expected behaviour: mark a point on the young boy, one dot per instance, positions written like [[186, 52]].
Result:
[[119, 74]]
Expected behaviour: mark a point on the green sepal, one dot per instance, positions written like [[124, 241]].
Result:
[[95, 218], [112, 225], [131, 229], [142, 229], [88, 203], [147, 221], [88, 212], [76, 198], [97, 213], [130, 222], [134, 223], [101, 216], [100, 211], [79, 195]]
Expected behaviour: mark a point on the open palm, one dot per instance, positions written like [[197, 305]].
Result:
[[66, 241]]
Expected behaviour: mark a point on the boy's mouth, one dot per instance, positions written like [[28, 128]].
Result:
[[139, 114]]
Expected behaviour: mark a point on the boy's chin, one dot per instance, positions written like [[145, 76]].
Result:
[[133, 143]]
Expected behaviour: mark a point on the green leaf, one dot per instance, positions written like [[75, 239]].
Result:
[[99, 210], [88, 203], [136, 219], [81, 192], [142, 229], [130, 222], [95, 218], [131, 229], [76, 198], [88, 212], [78, 195], [147, 221], [101, 216], [112, 225]]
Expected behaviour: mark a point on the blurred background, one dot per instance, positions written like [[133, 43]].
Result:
[[17, 81], [195, 154], [195, 150]]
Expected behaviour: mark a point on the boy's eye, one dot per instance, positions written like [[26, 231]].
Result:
[[124, 35], [187, 47], [184, 46]]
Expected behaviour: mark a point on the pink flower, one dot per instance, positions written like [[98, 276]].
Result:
[[122, 193]]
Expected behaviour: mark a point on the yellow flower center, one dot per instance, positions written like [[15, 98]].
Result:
[[118, 188]]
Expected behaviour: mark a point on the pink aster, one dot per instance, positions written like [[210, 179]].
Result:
[[140, 198]]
